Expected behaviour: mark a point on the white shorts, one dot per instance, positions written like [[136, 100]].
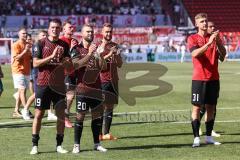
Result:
[[20, 81]]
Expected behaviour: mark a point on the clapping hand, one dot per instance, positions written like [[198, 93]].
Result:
[[74, 42]]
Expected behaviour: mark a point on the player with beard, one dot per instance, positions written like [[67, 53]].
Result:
[[109, 79], [88, 91]]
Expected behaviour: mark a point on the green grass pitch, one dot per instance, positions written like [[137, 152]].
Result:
[[154, 127]]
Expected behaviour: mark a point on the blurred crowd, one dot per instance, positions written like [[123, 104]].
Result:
[[76, 7], [95, 7], [167, 46]]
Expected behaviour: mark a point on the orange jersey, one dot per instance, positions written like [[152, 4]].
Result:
[[23, 65]]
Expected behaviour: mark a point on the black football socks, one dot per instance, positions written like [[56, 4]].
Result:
[[195, 127], [78, 128], [107, 121], [35, 139]]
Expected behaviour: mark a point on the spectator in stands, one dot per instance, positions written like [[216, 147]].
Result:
[[170, 42], [165, 18], [230, 42], [139, 49], [3, 20], [160, 48], [237, 49], [129, 49], [172, 49], [154, 19], [93, 19], [183, 51], [227, 42], [2, 26], [25, 22], [9, 34], [149, 53], [166, 47], [176, 13], [67, 7]]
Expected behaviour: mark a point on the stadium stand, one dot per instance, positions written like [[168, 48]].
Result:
[[76, 7], [225, 14]]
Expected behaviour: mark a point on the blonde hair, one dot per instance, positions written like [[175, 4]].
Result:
[[201, 15], [22, 29]]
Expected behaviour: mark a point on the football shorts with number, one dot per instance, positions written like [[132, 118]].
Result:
[[83, 104], [110, 92], [45, 95], [205, 92]]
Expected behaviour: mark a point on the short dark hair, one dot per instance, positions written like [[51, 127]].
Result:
[[87, 25], [67, 22], [29, 35], [55, 20]]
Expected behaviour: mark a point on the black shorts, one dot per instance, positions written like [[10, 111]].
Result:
[[70, 82], [110, 93], [34, 78], [44, 96], [205, 92], [83, 104]]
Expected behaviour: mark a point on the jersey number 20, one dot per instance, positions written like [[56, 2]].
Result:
[[82, 106]]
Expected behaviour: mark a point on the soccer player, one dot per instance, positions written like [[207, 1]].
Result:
[[21, 65], [109, 79], [210, 30], [48, 55], [88, 92], [206, 49], [70, 81], [1, 85]]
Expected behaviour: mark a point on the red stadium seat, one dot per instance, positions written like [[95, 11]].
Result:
[[224, 13]]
